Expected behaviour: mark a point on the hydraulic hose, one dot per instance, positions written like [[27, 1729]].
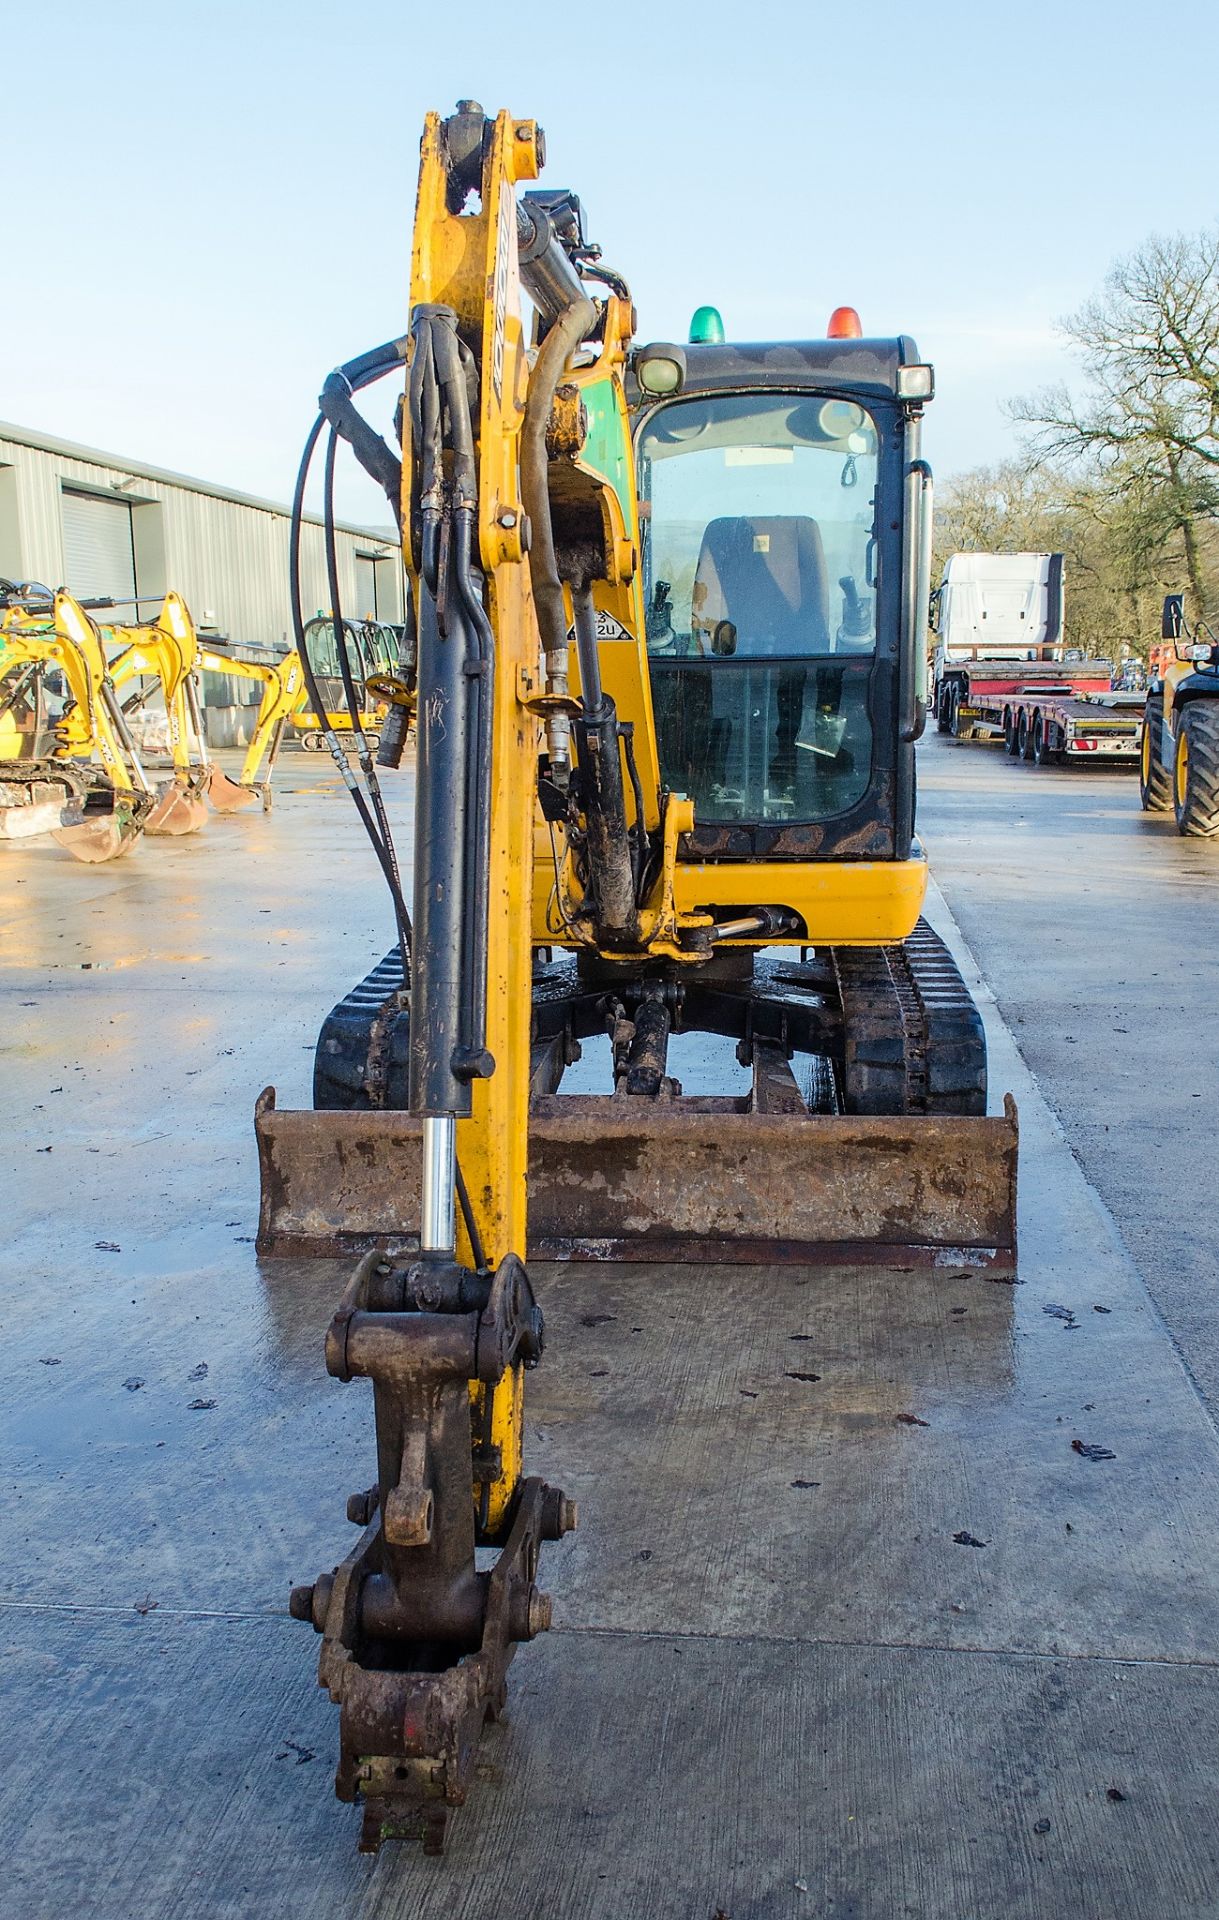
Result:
[[570, 328], [336, 402], [315, 696], [353, 706]]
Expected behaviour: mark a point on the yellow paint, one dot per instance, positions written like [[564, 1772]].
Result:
[[1181, 769], [843, 902], [469, 262]]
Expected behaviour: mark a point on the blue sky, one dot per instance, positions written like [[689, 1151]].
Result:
[[209, 205]]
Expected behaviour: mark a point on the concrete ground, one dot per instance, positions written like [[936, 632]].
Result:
[[1097, 927], [877, 1643]]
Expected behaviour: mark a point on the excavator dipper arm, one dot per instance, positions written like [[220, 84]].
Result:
[[416, 1639]]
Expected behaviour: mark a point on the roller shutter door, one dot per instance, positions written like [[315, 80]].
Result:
[[99, 553]]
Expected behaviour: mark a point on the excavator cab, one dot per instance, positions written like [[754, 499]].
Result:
[[372, 649], [772, 561]]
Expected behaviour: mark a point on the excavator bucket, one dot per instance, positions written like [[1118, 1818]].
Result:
[[108, 834], [229, 796], [179, 807], [692, 1180]]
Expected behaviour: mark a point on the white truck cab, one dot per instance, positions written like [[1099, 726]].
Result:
[[998, 606]]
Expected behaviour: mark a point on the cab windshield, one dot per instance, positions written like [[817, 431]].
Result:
[[758, 521]]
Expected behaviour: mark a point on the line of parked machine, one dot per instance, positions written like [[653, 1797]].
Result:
[[91, 709], [1001, 671]]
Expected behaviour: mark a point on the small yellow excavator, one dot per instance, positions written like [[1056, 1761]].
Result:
[[90, 791], [86, 761], [372, 651], [665, 668], [170, 657]]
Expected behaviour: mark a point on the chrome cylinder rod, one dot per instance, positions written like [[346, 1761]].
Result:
[[437, 1222]]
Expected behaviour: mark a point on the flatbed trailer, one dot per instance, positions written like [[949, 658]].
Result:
[[1044, 711]]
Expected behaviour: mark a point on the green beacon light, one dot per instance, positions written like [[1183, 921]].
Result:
[[706, 328]]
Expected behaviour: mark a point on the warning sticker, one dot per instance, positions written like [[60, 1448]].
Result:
[[502, 262], [607, 629]]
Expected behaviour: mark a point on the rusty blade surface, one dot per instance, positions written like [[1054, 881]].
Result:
[[25, 822], [618, 1179], [227, 796]]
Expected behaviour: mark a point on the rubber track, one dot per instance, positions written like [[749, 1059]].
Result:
[[913, 1038], [361, 1058]]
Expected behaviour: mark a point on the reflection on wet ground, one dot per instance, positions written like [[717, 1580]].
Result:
[[876, 1570]]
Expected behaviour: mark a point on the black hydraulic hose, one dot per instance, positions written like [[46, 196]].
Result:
[[482, 748], [336, 402], [640, 850], [467, 1214], [445, 386], [336, 611], [427, 440], [315, 696], [353, 706]]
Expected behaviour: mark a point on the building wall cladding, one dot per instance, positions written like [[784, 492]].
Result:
[[226, 554]]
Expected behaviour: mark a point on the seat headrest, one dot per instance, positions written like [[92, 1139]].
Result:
[[765, 573]]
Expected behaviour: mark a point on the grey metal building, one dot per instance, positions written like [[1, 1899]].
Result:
[[107, 527]]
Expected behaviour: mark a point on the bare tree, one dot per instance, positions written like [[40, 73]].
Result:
[[1117, 573], [1147, 427]]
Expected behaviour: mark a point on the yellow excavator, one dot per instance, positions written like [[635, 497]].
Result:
[[169, 657], [90, 790], [665, 670], [372, 650], [86, 761]]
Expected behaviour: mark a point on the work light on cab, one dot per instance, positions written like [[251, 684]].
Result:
[[660, 371]]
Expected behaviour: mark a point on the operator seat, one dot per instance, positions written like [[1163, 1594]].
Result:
[[766, 574]]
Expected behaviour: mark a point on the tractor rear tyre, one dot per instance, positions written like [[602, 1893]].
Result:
[[1195, 787], [1155, 782], [942, 708]]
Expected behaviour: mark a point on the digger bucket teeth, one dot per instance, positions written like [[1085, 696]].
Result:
[[690, 1182]]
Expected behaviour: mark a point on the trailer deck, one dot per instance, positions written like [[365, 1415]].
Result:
[[851, 1625]]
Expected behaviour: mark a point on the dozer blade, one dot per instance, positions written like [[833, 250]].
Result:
[[229, 796], [177, 809], [35, 801], [40, 816], [696, 1180]]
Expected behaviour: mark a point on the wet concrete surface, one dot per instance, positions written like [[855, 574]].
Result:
[[1097, 926], [879, 1642]]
